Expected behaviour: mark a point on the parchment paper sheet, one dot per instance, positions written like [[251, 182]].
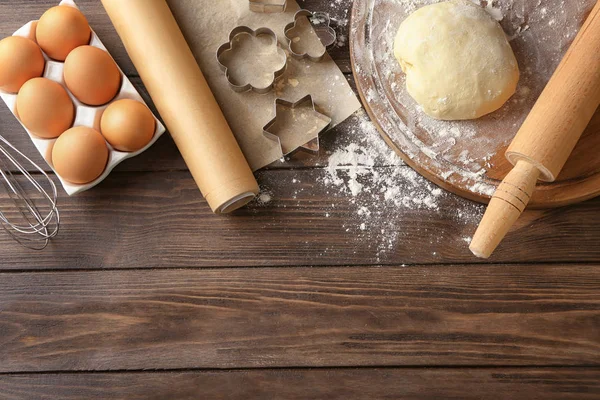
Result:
[[206, 25]]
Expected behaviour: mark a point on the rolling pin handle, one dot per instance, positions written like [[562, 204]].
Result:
[[507, 204]]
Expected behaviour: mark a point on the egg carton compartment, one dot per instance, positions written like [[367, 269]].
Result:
[[85, 115]]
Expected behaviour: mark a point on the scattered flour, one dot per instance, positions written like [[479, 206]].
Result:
[[339, 13], [379, 190], [375, 181], [379, 184], [540, 31], [264, 197], [495, 12]]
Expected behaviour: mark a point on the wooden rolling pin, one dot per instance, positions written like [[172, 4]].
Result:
[[548, 135], [183, 98]]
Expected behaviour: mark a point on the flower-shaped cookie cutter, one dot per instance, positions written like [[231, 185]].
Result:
[[268, 6], [302, 119], [251, 67], [310, 35]]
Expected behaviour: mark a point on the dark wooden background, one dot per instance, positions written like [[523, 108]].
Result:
[[148, 295]]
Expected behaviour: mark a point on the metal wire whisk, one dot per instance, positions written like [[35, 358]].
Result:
[[33, 218]]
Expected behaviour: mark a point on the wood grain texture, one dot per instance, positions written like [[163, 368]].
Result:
[[512, 329], [534, 315], [334, 384], [144, 220]]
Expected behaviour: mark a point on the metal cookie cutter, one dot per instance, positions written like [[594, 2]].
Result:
[[247, 70], [268, 6], [310, 35], [295, 119]]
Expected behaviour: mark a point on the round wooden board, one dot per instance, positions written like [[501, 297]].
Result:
[[467, 157]]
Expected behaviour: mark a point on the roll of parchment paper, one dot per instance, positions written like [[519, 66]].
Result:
[[179, 90]]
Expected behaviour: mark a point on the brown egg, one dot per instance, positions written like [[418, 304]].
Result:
[[127, 125], [20, 60], [45, 108], [60, 30], [92, 75], [80, 155]]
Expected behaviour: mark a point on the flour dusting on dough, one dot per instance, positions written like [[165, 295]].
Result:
[[530, 24]]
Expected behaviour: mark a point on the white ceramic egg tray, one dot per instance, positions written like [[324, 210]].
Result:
[[84, 115]]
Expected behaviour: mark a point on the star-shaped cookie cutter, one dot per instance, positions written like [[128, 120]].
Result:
[[321, 24], [321, 123], [229, 47], [268, 6]]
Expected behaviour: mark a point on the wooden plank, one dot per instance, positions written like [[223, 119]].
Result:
[[344, 384], [143, 220], [505, 315], [16, 13]]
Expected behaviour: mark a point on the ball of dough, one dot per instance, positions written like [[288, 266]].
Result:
[[457, 59]]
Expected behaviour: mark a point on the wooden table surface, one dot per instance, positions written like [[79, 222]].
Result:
[[146, 294]]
